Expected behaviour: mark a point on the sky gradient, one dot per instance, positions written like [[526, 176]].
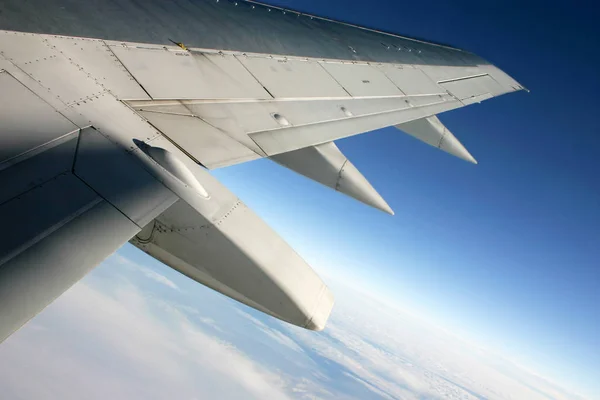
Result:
[[506, 251], [136, 329]]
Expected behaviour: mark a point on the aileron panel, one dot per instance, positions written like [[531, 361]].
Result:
[[473, 86], [293, 78], [178, 74], [412, 81], [362, 79]]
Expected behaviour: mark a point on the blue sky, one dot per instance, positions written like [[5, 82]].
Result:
[[506, 251]]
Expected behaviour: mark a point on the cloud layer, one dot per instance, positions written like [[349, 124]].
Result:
[[137, 330]]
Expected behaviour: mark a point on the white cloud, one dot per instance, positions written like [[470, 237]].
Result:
[[369, 386], [99, 345], [396, 355], [272, 334], [210, 322], [147, 272], [282, 339], [155, 276], [117, 341], [250, 318]]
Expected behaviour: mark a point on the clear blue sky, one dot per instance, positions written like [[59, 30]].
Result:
[[506, 251]]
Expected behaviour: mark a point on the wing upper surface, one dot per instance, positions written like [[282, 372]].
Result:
[[293, 102], [224, 107]]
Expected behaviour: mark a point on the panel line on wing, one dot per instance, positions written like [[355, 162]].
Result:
[[205, 143], [222, 131], [36, 150], [175, 101], [395, 84], [254, 76], [461, 78], [163, 112], [125, 68], [334, 78]]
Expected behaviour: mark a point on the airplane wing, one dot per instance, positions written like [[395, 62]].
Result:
[[110, 118]]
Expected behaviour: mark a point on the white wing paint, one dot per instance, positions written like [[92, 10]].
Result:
[[431, 131], [326, 164], [104, 141]]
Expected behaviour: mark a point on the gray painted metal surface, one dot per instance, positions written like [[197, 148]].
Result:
[[327, 165], [228, 25], [120, 179], [26, 115], [106, 130], [431, 131], [59, 258]]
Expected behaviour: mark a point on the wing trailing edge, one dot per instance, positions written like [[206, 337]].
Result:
[[431, 131], [326, 164]]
